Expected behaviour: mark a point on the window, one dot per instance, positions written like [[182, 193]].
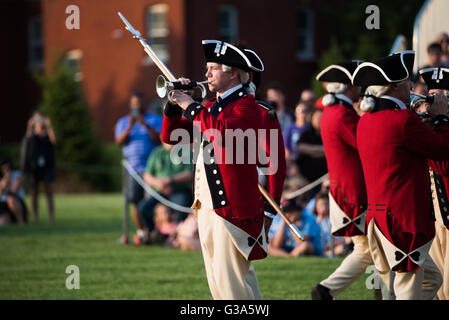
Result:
[[227, 23], [157, 32], [73, 63], [304, 33], [35, 48]]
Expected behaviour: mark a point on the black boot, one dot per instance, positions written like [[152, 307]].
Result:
[[320, 292]]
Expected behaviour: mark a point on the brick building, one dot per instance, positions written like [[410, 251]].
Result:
[[289, 37]]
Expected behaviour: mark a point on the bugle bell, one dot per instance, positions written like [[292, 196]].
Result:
[[164, 87], [418, 99]]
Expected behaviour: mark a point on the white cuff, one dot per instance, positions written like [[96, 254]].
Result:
[[270, 215]]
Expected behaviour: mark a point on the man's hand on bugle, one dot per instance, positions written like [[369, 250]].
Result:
[[181, 98]]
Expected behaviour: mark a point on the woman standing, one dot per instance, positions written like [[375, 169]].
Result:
[[40, 160]]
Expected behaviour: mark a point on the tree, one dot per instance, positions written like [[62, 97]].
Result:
[[350, 37], [78, 146]]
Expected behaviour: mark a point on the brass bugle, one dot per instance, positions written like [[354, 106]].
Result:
[[419, 99], [422, 97], [164, 87]]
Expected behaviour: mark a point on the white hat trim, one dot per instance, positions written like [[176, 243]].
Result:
[[381, 71], [236, 49], [346, 71]]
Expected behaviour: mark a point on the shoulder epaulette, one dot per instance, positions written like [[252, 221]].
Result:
[[271, 112]]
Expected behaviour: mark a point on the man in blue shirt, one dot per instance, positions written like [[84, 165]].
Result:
[[285, 244], [138, 133]]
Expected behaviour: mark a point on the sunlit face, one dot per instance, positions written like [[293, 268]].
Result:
[[162, 214], [445, 43], [322, 207], [276, 96], [167, 147], [293, 215], [218, 79], [136, 103], [434, 57], [403, 91], [308, 97], [38, 122], [301, 111], [316, 119]]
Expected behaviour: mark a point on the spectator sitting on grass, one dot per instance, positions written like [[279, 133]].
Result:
[[186, 236], [14, 185], [10, 208], [321, 212], [169, 179], [165, 227], [284, 243]]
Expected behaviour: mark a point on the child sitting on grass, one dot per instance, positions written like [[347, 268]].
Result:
[[164, 224], [186, 236]]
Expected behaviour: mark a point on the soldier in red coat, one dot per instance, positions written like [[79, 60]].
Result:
[[437, 81], [347, 193], [228, 203], [393, 145]]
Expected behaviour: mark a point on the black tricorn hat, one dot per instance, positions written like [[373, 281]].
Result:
[[228, 54], [394, 68], [435, 78], [339, 72], [255, 61]]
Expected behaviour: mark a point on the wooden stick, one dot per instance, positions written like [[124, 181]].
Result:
[[276, 207]]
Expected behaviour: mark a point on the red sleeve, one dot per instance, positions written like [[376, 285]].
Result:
[[348, 128], [431, 144], [173, 120], [276, 171], [244, 116]]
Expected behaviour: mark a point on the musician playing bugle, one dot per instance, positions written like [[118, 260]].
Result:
[[393, 145], [228, 203], [437, 81]]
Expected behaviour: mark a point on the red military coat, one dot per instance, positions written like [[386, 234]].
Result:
[[440, 190], [276, 171], [347, 184], [393, 147], [241, 203]]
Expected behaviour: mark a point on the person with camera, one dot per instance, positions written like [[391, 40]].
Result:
[[40, 160], [138, 134]]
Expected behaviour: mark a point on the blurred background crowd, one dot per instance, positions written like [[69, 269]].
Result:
[[77, 102]]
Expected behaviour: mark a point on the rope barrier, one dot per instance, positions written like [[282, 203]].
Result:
[[306, 188], [153, 192]]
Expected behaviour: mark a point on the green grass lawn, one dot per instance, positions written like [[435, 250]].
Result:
[[34, 258]]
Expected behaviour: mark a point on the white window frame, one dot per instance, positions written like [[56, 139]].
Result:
[[75, 55], [152, 33], [308, 33], [34, 42], [229, 33]]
